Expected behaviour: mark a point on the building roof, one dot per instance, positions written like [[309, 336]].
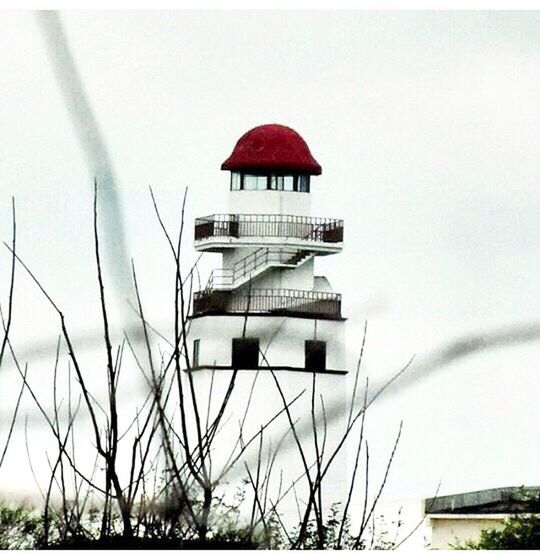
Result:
[[503, 500], [272, 147]]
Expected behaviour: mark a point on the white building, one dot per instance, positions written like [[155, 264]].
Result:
[[269, 241], [265, 308], [458, 518]]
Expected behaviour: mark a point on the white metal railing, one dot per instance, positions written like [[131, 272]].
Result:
[[272, 301], [260, 258], [318, 229]]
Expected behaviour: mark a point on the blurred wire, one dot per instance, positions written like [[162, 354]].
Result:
[[99, 162], [473, 343], [93, 145], [422, 367]]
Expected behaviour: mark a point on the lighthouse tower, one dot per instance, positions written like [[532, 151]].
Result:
[[265, 307]]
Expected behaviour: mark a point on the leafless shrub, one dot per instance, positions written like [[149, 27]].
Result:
[[159, 478], [6, 325]]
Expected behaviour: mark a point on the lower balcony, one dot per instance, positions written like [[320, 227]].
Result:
[[291, 302]]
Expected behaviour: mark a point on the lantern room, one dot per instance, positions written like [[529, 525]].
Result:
[[271, 168]]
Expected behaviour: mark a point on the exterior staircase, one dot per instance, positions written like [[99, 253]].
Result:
[[254, 265]]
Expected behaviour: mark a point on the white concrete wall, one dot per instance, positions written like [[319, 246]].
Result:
[[281, 338], [321, 283], [282, 341], [300, 278], [269, 202], [265, 403], [233, 255], [447, 530]]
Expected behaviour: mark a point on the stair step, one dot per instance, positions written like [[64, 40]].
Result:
[[292, 262]]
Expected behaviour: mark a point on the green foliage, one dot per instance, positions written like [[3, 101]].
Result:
[[519, 532], [338, 535], [20, 527]]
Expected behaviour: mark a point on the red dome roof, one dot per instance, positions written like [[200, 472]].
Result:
[[272, 147]]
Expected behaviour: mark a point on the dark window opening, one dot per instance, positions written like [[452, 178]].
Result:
[[315, 355], [303, 183], [245, 353], [196, 350]]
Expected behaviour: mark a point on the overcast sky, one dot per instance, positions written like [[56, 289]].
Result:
[[427, 126]]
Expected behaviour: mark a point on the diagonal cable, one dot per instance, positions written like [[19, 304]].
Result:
[[92, 143]]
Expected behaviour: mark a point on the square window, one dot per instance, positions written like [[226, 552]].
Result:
[[245, 353], [315, 355]]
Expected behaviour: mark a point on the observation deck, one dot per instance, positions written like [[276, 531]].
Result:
[[215, 232]]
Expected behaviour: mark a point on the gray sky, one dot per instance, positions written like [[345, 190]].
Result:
[[427, 127]]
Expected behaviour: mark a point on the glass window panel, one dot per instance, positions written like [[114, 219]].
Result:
[[255, 182], [303, 183], [236, 179], [288, 182], [250, 182], [276, 182], [262, 182]]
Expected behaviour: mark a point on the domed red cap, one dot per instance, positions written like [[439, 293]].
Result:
[[272, 147]]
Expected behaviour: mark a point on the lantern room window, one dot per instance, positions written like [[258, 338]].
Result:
[[276, 182], [236, 181], [255, 182], [303, 183], [288, 183]]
